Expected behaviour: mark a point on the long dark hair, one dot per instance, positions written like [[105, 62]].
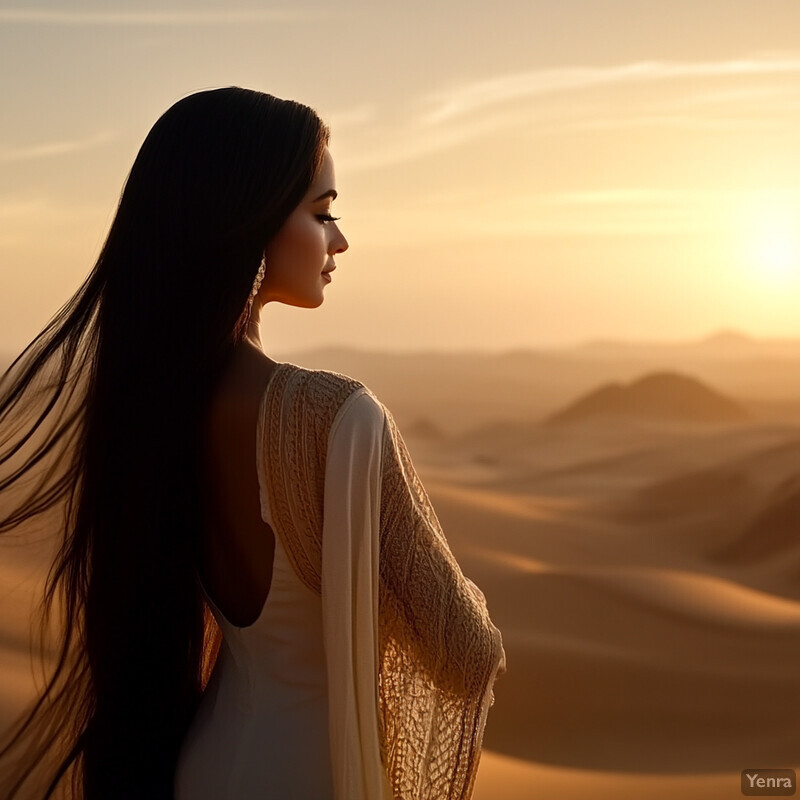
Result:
[[126, 368]]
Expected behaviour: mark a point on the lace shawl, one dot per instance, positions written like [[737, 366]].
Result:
[[438, 653]]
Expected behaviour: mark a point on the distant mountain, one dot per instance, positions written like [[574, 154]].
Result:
[[728, 337], [725, 344], [423, 428], [467, 389], [660, 396]]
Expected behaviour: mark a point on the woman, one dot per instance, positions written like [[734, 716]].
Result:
[[295, 627]]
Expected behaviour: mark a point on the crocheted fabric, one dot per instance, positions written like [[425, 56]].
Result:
[[439, 653]]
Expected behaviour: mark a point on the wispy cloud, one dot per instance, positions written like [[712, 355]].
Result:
[[739, 96], [534, 103], [627, 211], [478, 95], [615, 196], [400, 142], [47, 16], [753, 121], [50, 149]]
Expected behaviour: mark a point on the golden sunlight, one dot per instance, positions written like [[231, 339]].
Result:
[[777, 253], [773, 241]]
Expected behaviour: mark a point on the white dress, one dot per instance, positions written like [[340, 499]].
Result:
[[289, 712]]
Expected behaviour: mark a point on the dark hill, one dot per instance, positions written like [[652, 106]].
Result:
[[660, 396]]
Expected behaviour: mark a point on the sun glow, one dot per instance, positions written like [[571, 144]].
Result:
[[773, 242], [776, 253]]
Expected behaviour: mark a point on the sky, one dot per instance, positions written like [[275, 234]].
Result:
[[510, 174]]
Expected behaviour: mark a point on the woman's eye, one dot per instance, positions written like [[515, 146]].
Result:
[[326, 218]]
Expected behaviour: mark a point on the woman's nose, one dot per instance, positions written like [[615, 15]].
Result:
[[341, 243]]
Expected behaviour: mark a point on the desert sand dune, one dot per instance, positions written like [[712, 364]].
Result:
[[632, 652], [773, 529], [504, 778], [638, 664], [636, 669]]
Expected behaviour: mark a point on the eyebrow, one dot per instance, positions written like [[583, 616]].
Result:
[[330, 193]]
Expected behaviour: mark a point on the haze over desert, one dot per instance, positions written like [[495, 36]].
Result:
[[640, 558]]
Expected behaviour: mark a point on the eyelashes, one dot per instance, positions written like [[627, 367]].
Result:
[[326, 218]]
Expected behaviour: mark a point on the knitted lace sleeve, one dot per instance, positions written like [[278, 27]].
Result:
[[412, 653], [440, 653]]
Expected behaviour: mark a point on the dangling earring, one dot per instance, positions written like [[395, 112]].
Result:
[[257, 282]]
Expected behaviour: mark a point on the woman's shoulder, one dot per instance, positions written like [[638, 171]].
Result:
[[323, 384], [334, 396]]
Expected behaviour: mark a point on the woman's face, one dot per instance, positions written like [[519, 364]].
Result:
[[304, 246]]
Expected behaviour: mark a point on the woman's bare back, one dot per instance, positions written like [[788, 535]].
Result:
[[237, 546]]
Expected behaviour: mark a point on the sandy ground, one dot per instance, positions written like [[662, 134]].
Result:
[[504, 778], [641, 661]]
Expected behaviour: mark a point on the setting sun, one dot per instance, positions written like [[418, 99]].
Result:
[[773, 242], [777, 254]]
